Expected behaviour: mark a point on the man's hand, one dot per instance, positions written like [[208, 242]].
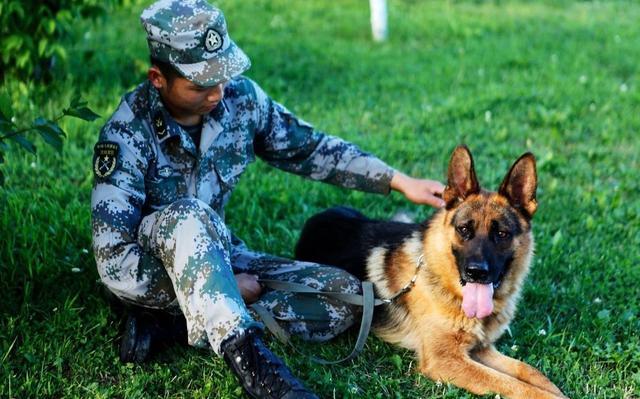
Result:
[[249, 287], [419, 191]]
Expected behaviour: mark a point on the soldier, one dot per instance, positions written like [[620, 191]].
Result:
[[165, 165]]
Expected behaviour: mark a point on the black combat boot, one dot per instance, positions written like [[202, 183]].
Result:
[[146, 331], [261, 373]]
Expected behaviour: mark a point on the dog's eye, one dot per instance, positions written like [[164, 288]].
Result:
[[464, 230], [503, 235]]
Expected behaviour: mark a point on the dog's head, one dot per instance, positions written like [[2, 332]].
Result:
[[490, 230]]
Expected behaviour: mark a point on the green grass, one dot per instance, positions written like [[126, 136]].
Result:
[[560, 79]]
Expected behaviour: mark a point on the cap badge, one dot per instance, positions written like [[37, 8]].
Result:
[[212, 41]]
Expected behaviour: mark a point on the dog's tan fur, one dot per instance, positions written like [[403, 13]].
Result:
[[450, 346]]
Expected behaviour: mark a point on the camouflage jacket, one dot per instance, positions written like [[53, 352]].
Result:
[[144, 161]]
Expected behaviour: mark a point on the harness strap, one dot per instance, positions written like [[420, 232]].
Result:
[[366, 300]]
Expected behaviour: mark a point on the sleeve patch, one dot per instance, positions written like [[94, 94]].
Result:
[[105, 159]]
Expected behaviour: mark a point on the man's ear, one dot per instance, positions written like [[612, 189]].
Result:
[[520, 184], [461, 177], [156, 77]]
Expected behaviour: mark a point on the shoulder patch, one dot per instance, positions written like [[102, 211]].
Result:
[[105, 158]]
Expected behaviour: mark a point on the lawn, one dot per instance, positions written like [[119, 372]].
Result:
[[560, 79]]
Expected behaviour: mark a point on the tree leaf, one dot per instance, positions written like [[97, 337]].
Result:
[[50, 132], [24, 143], [13, 42], [77, 102], [50, 26], [16, 7], [23, 59], [42, 46], [83, 113], [51, 139], [54, 127], [64, 16], [59, 51]]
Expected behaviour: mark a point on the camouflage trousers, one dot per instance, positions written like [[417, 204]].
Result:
[[194, 259]]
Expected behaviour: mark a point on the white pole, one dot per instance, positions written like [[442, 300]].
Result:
[[378, 19]]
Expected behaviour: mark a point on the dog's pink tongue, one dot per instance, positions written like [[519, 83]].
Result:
[[477, 300]]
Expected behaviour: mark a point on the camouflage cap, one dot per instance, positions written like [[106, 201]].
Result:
[[192, 36]]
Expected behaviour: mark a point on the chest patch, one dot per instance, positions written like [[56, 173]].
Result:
[[105, 159], [161, 127], [165, 171]]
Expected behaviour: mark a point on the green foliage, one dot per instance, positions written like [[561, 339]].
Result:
[[48, 129], [31, 32]]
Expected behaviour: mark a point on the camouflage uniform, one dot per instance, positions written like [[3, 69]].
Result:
[[159, 235]]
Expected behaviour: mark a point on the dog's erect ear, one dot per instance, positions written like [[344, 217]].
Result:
[[461, 177], [520, 184]]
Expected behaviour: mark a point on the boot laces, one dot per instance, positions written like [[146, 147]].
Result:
[[268, 369]]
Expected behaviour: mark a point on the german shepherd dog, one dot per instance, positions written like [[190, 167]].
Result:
[[475, 254]]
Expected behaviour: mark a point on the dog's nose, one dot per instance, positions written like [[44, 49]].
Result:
[[477, 271]]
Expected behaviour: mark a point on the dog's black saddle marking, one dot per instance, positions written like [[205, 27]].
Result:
[[344, 237]]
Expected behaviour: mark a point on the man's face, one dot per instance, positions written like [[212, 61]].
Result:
[[185, 99], [189, 99]]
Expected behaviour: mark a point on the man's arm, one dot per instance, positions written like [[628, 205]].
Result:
[[289, 143], [116, 210]]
